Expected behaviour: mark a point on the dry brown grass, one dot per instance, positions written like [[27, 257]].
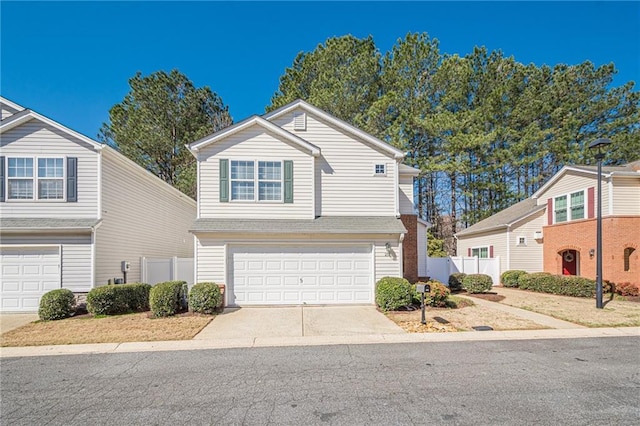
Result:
[[116, 329], [463, 319], [616, 313]]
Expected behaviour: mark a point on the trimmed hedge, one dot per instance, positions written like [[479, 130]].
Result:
[[205, 298], [118, 299], [393, 293], [477, 283], [168, 298], [56, 304], [438, 295], [455, 281], [566, 285], [510, 278]]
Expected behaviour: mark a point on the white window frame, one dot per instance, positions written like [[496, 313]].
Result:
[[35, 179], [522, 241], [479, 250], [569, 206], [256, 181], [384, 169]]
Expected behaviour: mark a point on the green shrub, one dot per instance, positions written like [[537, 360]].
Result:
[[438, 295], [168, 298], [56, 304], [627, 289], [510, 278], [393, 293], [566, 285], [118, 299], [205, 298], [477, 283], [455, 281]]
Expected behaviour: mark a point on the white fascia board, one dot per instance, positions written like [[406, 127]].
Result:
[[251, 121], [13, 105], [561, 173], [27, 115], [397, 154], [408, 170]]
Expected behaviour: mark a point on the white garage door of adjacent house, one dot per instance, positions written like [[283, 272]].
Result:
[[26, 274], [283, 275]]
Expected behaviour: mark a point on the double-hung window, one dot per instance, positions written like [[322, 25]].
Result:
[[569, 207], [43, 180], [248, 175], [561, 209], [577, 205], [481, 252]]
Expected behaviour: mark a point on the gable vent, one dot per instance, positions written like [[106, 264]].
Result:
[[299, 121]]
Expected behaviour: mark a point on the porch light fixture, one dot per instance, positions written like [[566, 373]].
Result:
[[592, 252], [599, 145], [387, 247]]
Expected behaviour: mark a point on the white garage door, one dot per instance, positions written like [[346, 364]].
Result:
[[270, 275], [28, 273]]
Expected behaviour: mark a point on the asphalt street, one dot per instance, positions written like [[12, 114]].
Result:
[[543, 382]]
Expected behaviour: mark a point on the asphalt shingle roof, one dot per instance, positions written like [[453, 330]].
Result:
[[504, 217], [320, 225], [46, 223]]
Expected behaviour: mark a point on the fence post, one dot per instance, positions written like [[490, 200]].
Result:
[[143, 269], [174, 268]]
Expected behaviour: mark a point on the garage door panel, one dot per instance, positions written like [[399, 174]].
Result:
[[28, 273], [300, 274]]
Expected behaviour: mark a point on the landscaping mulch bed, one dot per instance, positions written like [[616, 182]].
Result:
[[491, 296]]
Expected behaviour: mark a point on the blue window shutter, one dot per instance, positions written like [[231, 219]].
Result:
[[288, 181], [2, 179], [72, 179], [224, 180]]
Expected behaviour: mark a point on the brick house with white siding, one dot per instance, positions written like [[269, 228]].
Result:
[[555, 229]]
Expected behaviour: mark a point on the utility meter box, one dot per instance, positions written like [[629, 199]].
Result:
[[125, 266]]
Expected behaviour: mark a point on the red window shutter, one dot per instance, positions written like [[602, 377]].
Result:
[[590, 203], [469, 252], [550, 211], [491, 252]]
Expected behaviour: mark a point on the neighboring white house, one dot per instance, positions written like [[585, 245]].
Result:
[[299, 207], [72, 209]]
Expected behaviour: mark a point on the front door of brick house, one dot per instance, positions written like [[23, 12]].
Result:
[[569, 262]]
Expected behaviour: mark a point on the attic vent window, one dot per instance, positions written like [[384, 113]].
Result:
[[380, 170], [299, 121]]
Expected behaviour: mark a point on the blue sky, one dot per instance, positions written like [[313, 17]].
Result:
[[72, 61]]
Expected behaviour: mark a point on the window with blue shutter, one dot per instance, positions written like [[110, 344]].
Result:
[[224, 180], [2, 182], [288, 181], [72, 179]]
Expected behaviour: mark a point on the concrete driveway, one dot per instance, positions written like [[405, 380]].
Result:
[[11, 321], [298, 321]]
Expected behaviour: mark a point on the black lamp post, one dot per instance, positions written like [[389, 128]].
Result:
[[599, 145]]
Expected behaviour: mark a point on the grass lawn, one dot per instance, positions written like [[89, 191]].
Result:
[[464, 318], [136, 327], [579, 310]]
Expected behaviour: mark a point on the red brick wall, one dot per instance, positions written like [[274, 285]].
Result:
[[410, 247], [618, 232]]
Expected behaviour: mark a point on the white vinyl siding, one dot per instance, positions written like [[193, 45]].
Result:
[[211, 251], [626, 196], [37, 140], [344, 183], [142, 217], [406, 195], [575, 181], [76, 256], [255, 144], [7, 111], [497, 239], [527, 257]]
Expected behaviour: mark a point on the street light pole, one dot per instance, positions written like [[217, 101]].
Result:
[[599, 144]]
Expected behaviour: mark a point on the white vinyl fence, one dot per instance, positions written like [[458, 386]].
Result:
[[155, 271], [440, 268]]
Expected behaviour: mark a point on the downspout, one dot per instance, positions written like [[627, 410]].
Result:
[[396, 184], [401, 255], [508, 247], [610, 189]]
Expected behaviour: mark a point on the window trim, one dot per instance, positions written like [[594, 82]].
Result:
[[375, 169], [256, 181], [479, 249], [35, 178], [523, 243], [569, 206]]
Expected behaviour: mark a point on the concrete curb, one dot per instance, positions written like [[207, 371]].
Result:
[[261, 342]]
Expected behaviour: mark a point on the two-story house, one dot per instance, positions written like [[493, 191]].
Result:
[[297, 206], [72, 210], [555, 229]]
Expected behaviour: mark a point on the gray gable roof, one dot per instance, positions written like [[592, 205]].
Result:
[[46, 224], [504, 217], [320, 225]]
